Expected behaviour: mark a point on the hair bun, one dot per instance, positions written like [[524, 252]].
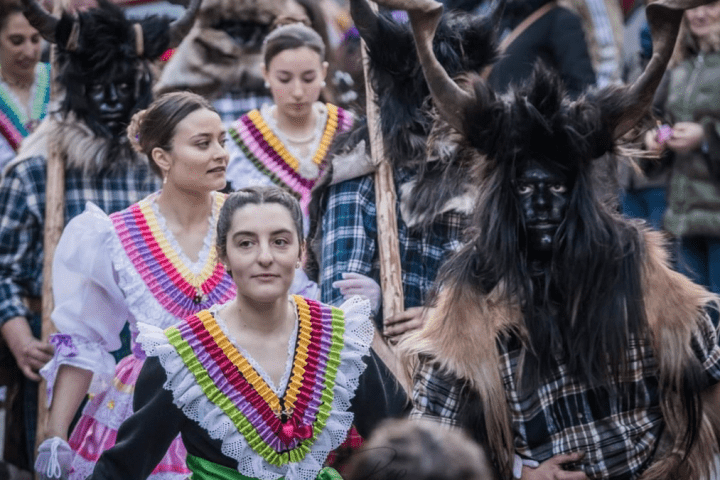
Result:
[[133, 130]]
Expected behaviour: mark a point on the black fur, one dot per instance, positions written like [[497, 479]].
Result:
[[589, 302], [105, 51]]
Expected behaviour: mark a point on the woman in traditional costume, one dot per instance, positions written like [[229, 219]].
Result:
[[286, 143], [259, 387], [24, 80], [154, 262]]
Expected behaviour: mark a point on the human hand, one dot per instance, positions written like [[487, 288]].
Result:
[[552, 469], [411, 319], [30, 353], [357, 284], [54, 459], [686, 137], [652, 143]]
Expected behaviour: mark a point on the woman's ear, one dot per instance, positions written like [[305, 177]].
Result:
[[325, 66], [161, 159], [301, 256]]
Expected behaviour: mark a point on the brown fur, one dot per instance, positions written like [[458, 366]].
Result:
[[209, 61], [80, 147], [466, 347]]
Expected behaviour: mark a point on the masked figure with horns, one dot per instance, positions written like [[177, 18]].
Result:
[[104, 76], [435, 188], [561, 334]]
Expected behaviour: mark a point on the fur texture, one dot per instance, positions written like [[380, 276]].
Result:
[[105, 51], [223, 50], [462, 336], [445, 181], [78, 145]]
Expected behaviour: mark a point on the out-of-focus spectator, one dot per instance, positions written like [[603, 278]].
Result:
[[602, 22], [419, 450], [24, 81], [693, 103], [556, 38]]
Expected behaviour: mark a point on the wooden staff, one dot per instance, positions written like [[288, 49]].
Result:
[[54, 224], [387, 230]]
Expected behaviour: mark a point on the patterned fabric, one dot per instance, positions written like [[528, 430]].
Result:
[[268, 154], [101, 418], [349, 240], [15, 124], [619, 433], [234, 104], [280, 430], [22, 219], [171, 282]]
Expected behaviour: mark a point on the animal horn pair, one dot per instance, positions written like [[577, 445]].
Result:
[[46, 23], [664, 18]]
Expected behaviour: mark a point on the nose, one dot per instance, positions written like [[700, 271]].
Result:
[[265, 257], [111, 93], [297, 90]]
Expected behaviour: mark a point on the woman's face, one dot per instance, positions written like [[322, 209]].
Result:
[[20, 46], [198, 159], [263, 249], [704, 21], [295, 77]]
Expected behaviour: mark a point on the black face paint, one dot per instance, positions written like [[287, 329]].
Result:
[[112, 103], [544, 196]]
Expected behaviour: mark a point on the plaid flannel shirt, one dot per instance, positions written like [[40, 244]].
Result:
[[22, 220], [236, 103], [349, 241], [619, 433]]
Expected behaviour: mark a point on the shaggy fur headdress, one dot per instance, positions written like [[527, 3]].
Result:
[[591, 301], [100, 45], [223, 50], [463, 43]]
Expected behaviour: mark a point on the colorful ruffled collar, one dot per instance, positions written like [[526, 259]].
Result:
[[15, 123], [267, 153], [171, 281], [279, 429]]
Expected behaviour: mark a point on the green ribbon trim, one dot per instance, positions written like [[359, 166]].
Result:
[[242, 424], [206, 470]]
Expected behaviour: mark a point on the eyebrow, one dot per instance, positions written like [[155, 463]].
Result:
[[253, 234]]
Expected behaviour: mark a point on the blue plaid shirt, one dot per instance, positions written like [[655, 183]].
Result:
[[22, 220], [349, 241], [618, 432]]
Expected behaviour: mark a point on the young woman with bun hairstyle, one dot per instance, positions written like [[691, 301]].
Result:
[[153, 263]]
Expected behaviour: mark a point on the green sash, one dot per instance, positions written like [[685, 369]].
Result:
[[206, 470]]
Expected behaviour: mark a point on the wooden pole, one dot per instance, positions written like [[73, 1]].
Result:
[[387, 230], [54, 224]]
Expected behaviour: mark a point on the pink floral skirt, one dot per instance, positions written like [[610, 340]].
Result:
[[101, 418]]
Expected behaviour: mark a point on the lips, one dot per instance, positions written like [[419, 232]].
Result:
[[217, 170], [266, 276]]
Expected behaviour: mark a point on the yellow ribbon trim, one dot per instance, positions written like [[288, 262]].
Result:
[[249, 373], [277, 145], [195, 280]]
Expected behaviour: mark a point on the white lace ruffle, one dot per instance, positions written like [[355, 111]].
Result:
[[90, 356], [140, 301], [188, 396]]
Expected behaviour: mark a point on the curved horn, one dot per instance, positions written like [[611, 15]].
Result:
[[365, 18], [180, 27], [664, 18], [41, 20], [450, 100]]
